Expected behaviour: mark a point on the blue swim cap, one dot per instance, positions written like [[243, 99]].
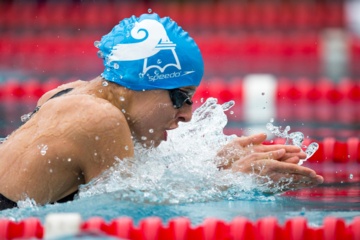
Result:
[[150, 52]]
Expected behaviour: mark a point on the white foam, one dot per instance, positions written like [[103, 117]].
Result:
[[181, 170]]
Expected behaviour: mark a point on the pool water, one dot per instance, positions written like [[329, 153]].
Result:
[[339, 199], [174, 180]]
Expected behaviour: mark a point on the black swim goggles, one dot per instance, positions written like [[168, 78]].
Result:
[[179, 97]]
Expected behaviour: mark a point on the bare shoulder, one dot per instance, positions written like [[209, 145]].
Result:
[[52, 92], [97, 130], [87, 112]]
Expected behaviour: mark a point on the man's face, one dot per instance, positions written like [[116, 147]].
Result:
[[156, 114]]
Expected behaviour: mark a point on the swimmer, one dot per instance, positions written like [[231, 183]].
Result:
[[152, 68]]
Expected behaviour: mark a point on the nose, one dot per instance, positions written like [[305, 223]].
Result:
[[184, 113]]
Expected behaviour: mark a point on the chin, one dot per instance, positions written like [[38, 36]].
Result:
[[151, 144], [157, 143]]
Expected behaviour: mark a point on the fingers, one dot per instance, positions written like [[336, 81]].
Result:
[[247, 163], [290, 176], [289, 157], [252, 140], [294, 182], [293, 153], [272, 155], [288, 148], [282, 176], [292, 160]]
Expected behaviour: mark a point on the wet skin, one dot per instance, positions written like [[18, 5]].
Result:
[[87, 129]]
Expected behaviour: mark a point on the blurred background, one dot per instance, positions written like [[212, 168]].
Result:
[[297, 61]]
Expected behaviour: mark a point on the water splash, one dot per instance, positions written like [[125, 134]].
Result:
[[24, 118], [97, 44], [182, 169], [2, 140], [295, 138]]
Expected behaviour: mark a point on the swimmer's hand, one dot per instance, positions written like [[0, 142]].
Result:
[[274, 164]]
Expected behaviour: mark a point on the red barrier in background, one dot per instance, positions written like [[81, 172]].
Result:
[[198, 15], [301, 100], [211, 228], [26, 229]]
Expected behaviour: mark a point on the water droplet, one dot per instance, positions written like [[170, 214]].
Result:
[[50, 170], [143, 138], [151, 130], [2, 140], [201, 100], [100, 54], [126, 147], [123, 110], [97, 44], [105, 83], [231, 112], [311, 149], [69, 159], [122, 98], [24, 118], [120, 76], [141, 75], [43, 148], [349, 156], [303, 211], [116, 66], [100, 90], [226, 106], [159, 61], [149, 10], [351, 176], [95, 153], [97, 138]]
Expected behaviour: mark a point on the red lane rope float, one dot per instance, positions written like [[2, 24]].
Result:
[[225, 89], [28, 228], [211, 229], [330, 149]]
